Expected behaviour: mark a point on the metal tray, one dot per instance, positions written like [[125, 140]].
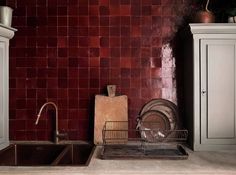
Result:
[[166, 107], [176, 152]]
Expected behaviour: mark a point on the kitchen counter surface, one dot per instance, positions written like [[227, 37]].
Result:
[[220, 162]]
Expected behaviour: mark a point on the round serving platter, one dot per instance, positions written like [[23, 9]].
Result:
[[166, 107]]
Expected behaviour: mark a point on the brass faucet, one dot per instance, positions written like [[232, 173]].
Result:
[[56, 133]]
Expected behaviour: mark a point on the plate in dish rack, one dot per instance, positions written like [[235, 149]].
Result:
[[166, 107], [151, 124]]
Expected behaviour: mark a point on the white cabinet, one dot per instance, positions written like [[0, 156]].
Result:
[[213, 104], [5, 35]]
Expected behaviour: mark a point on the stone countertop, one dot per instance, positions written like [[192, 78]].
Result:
[[50, 142], [221, 162]]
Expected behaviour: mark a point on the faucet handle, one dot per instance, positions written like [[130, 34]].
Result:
[[62, 135], [58, 136]]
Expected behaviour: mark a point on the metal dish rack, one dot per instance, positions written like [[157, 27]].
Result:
[[121, 142]]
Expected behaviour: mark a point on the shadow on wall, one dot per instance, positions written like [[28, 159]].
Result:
[[182, 48], [3, 2]]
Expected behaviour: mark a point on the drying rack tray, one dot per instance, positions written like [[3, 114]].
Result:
[[176, 152], [121, 142]]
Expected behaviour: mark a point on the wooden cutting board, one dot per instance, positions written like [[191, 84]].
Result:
[[108, 109]]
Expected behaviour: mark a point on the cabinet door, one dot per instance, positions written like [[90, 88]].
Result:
[[218, 88], [4, 140]]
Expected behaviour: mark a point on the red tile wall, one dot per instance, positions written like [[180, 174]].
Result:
[[66, 51]]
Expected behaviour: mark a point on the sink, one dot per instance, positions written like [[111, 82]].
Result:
[[75, 155], [46, 155]]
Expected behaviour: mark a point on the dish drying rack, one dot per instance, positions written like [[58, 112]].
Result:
[[121, 142]]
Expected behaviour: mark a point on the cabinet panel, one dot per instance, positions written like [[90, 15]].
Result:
[[218, 91], [2, 130], [4, 136]]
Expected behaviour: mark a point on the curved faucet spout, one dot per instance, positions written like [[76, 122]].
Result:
[[40, 111], [37, 120]]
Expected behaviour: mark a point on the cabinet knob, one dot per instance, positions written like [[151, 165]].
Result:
[[204, 92]]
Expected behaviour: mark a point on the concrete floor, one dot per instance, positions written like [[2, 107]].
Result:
[[212, 163]]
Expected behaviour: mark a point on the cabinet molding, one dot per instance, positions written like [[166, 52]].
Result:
[[213, 28]]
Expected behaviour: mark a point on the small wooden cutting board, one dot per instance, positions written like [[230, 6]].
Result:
[[108, 109]]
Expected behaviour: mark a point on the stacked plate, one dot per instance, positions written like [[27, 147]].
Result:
[[156, 118]]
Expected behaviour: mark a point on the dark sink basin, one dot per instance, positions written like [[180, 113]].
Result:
[[46, 155], [75, 155]]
